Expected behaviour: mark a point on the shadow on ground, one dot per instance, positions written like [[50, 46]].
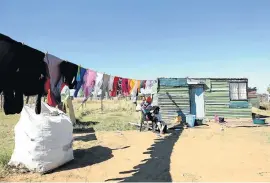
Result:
[[84, 127], [157, 167], [86, 138], [87, 157]]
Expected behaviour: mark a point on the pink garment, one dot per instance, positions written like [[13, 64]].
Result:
[[125, 89], [89, 82]]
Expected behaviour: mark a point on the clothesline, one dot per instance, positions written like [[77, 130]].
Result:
[[104, 72]]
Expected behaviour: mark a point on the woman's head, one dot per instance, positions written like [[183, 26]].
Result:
[[143, 98]]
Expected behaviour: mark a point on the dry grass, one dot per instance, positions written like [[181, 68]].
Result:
[[266, 105], [115, 116]]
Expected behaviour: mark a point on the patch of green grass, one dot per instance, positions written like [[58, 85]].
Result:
[[110, 121], [7, 124], [116, 115]]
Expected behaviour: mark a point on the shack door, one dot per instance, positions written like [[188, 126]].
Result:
[[197, 101]]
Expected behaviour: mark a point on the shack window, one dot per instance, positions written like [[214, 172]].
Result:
[[238, 91]]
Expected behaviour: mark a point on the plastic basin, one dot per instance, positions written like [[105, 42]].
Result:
[[259, 121]]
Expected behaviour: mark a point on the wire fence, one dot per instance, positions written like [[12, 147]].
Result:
[[100, 103]]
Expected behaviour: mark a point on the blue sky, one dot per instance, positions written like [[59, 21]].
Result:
[[145, 39]]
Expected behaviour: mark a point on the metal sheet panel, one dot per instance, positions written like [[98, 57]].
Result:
[[172, 82], [173, 101], [217, 101]]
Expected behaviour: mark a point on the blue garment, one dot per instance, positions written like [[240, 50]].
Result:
[[146, 107], [80, 82]]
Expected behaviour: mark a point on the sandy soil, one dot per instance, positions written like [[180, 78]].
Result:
[[199, 154]]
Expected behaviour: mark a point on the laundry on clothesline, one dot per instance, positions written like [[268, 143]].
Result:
[[27, 71]]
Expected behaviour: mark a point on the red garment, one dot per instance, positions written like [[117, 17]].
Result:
[[114, 89], [50, 99], [47, 85], [62, 86], [149, 100], [125, 89]]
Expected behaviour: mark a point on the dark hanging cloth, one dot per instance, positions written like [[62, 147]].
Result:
[[22, 71], [142, 84], [9, 49], [9, 65], [119, 87], [105, 85], [69, 72], [32, 71]]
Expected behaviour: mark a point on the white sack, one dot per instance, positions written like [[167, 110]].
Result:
[[42, 142]]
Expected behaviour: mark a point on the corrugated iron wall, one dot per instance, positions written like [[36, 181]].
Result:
[[217, 102], [173, 100]]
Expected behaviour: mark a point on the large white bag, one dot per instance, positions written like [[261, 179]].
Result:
[[42, 142]]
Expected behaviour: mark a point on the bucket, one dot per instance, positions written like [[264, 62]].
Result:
[[259, 121], [190, 120]]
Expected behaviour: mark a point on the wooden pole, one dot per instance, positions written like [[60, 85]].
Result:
[[1, 101], [101, 104]]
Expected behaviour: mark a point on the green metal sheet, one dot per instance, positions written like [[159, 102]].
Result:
[[172, 100], [217, 102]]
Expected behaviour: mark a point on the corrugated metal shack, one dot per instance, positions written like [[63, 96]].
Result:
[[203, 97]]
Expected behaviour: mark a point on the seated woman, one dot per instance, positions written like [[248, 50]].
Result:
[[146, 107]]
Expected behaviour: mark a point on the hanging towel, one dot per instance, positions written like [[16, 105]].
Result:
[[105, 85], [154, 87], [114, 88], [50, 99], [142, 85], [98, 84], [110, 86], [47, 85], [129, 88], [132, 83], [78, 77], [53, 63], [125, 88], [80, 80], [89, 82], [148, 86], [138, 84]]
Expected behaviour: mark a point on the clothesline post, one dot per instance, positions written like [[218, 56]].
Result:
[[101, 104], [1, 101]]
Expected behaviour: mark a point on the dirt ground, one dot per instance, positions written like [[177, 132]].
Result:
[[205, 153]]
